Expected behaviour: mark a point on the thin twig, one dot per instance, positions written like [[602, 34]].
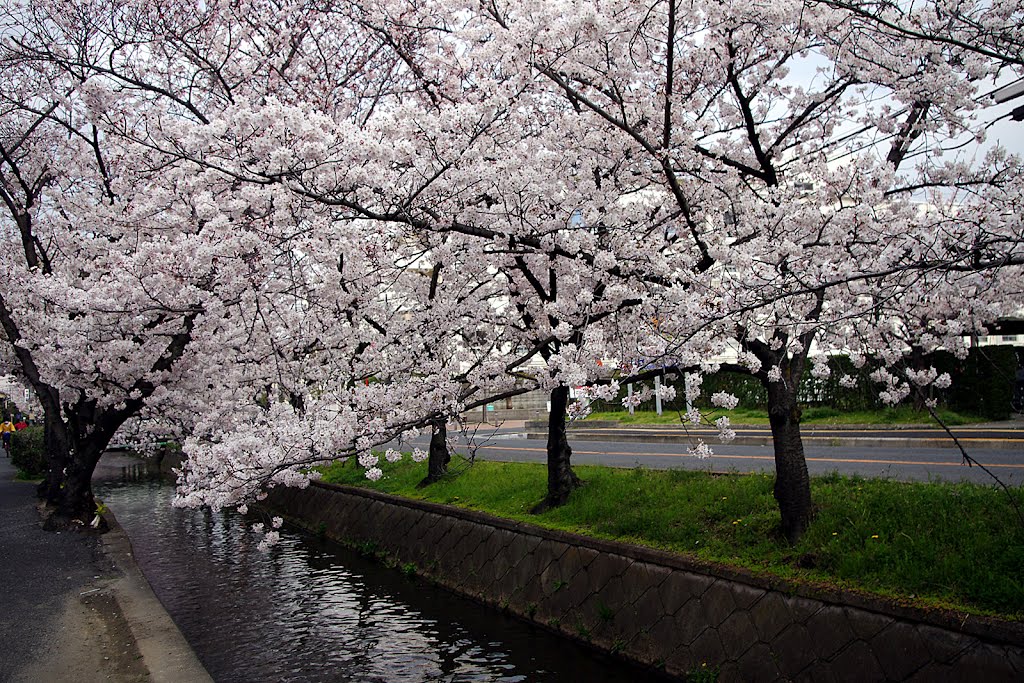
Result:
[[971, 462]]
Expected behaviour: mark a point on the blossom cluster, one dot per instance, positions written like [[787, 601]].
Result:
[[293, 246]]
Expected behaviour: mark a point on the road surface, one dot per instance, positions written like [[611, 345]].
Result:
[[901, 463]]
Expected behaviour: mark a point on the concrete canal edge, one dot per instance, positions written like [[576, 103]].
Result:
[[165, 653], [660, 609]]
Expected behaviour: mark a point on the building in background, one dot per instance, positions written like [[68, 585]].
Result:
[[16, 399]]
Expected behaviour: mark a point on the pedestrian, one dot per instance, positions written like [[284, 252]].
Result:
[[6, 429], [20, 424]]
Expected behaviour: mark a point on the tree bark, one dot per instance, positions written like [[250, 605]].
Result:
[[792, 482], [438, 456], [58, 453], [561, 479], [76, 501], [84, 434]]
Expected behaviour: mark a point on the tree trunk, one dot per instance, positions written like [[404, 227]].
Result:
[[76, 501], [438, 456], [57, 448], [561, 479], [792, 483], [83, 435]]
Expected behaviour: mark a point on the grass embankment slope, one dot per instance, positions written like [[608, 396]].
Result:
[[957, 546], [812, 416]]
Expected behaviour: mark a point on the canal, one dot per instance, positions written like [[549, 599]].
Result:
[[310, 610]]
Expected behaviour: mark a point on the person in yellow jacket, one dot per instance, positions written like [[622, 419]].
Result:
[[6, 429]]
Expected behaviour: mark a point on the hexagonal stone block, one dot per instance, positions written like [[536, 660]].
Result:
[[680, 587], [587, 555], [531, 591], [730, 671], [707, 648], [757, 664], [934, 671], [519, 547], [573, 561], [524, 572], [745, 596], [943, 644], [552, 580], [480, 540], [792, 651], [717, 602], [900, 650], [648, 608], [803, 609], [819, 672], [988, 663], [603, 569], [549, 551], [1015, 657], [423, 525], [642, 647], [639, 577], [856, 664], [435, 542], [690, 622], [771, 616], [612, 592], [867, 624], [829, 631], [738, 634], [577, 589], [627, 622], [664, 637]]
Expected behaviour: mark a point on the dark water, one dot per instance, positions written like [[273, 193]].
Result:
[[310, 610]]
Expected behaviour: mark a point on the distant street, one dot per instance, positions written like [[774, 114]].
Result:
[[872, 458], [813, 433]]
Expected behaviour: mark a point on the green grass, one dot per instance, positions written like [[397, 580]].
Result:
[[22, 475], [937, 544], [815, 415]]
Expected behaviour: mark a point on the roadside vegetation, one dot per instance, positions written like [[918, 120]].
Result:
[[957, 546], [817, 415], [28, 453]]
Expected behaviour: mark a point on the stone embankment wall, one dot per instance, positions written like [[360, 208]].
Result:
[[658, 608]]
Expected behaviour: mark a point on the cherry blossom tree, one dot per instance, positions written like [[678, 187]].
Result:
[[38, 138], [116, 280], [272, 130], [586, 182], [795, 201]]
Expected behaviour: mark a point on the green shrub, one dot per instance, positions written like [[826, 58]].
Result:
[[982, 382], [27, 452], [821, 413], [982, 386]]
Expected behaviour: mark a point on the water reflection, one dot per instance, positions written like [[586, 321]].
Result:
[[311, 611]]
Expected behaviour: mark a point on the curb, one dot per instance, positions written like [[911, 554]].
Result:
[[165, 653], [862, 442]]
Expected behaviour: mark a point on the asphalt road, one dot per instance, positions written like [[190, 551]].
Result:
[[901, 463], [964, 434]]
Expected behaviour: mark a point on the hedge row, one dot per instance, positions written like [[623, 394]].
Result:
[[982, 385], [27, 452]]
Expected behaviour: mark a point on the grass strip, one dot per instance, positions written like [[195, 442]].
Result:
[[949, 545], [816, 415]]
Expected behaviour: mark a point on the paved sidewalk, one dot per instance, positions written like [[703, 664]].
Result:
[[75, 606]]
